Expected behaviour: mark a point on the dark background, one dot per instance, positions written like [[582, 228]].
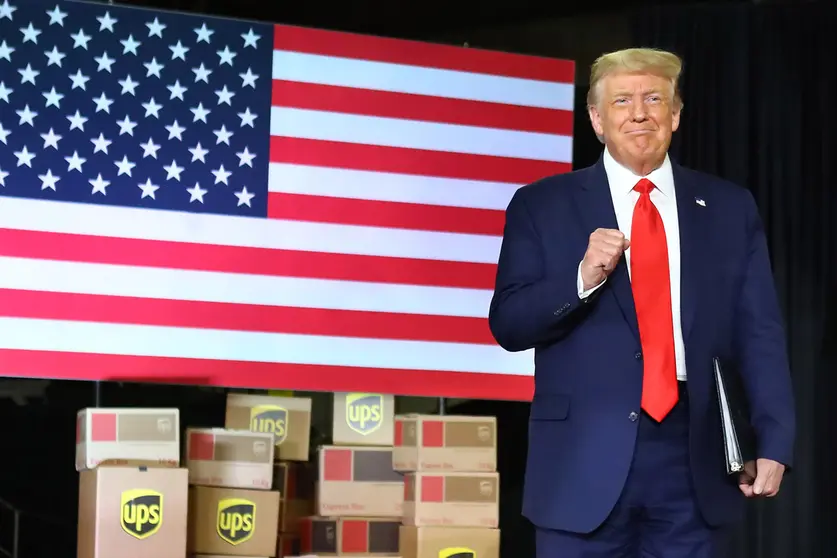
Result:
[[760, 89]]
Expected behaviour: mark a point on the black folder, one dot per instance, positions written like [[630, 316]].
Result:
[[737, 431]]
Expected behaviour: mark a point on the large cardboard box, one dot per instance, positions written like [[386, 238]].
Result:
[[296, 482], [132, 512], [445, 443], [233, 521], [452, 499], [363, 419], [330, 536], [287, 418], [127, 436], [449, 542], [359, 482], [229, 458]]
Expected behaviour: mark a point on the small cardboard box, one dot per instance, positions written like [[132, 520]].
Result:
[[287, 418], [445, 443], [330, 536], [296, 483], [452, 499], [127, 436], [449, 542], [359, 482], [132, 512], [363, 419], [229, 458]]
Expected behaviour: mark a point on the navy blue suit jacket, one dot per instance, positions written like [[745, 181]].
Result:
[[588, 361]]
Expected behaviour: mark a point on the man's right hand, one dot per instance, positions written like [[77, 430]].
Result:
[[605, 248]]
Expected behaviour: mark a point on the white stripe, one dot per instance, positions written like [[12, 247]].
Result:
[[413, 134], [123, 222], [119, 339], [239, 288], [399, 78], [390, 187]]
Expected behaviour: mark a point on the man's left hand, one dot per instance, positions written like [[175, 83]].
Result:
[[762, 480]]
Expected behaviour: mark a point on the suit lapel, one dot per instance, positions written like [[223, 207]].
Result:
[[693, 221]]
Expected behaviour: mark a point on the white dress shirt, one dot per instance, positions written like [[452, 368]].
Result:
[[622, 181]]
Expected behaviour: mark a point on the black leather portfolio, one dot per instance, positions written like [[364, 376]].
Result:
[[736, 429]]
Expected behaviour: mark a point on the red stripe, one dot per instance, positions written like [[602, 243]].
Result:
[[375, 213], [334, 154], [234, 259], [426, 108], [414, 53], [242, 317], [235, 374]]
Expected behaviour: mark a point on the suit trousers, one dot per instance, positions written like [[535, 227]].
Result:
[[656, 515]]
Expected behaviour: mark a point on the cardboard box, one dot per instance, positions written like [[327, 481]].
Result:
[[229, 458], [363, 419], [295, 481], [328, 536], [445, 443], [287, 418], [127, 436], [132, 512], [233, 521], [452, 499], [359, 482], [449, 542], [287, 545]]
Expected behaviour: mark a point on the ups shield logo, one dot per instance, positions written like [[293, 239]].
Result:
[[272, 419], [457, 553], [364, 412], [141, 512], [236, 520]]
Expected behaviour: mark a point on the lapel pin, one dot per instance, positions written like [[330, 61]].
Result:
[[700, 202]]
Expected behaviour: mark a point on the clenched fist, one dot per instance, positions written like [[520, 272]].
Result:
[[605, 248]]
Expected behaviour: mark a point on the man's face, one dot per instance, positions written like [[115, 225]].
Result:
[[636, 115]]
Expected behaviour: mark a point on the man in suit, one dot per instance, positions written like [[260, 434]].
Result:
[[627, 278]]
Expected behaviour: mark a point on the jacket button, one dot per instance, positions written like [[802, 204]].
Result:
[[633, 416], [638, 356]]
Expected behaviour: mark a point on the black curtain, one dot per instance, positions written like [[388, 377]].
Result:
[[760, 91]]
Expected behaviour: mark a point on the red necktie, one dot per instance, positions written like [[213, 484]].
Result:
[[651, 285]]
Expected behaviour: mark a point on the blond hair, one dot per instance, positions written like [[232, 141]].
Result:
[[636, 61]]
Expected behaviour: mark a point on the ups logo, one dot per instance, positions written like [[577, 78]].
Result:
[[236, 520], [141, 512], [364, 412], [457, 553], [272, 419]]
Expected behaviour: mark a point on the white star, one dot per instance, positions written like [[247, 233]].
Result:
[[6, 51], [101, 144], [177, 90], [204, 34], [126, 126], [3, 175], [226, 56], [125, 166], [51, 139], [198, 153], [24, 157], [200, 113], [30, 34], [53, 98], [201, 74], [56, 16], [148, 189], [153, 68], [80, 40], [105, 62], [26, 116], [250, 38], [245, 158], [178, 51], [79, 80], [28, 74], [155, 28], [149, 148], [77, 121], [106, 22], [244, 197], [152, 108], [247, 118], [5, 92], [4, 134], [176, 131], [6, 10], [173, 171], [129, 85], [221, 175], [54, 57], [223, 135], [196, 193], [48, 180], [99, 185], [130, 45], [225, 96], [103, 103], [75, 162]]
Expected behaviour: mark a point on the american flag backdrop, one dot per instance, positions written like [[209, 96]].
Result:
[[232, 203]]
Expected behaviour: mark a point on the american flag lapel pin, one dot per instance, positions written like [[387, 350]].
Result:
[[700, 202]]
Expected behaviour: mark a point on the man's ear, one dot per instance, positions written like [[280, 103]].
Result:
[[675, 118], [595, 120]]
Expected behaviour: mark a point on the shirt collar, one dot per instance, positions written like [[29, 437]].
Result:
[[622, 180]]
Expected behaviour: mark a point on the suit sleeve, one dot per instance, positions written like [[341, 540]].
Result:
[[531, 307], [762, 344]]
